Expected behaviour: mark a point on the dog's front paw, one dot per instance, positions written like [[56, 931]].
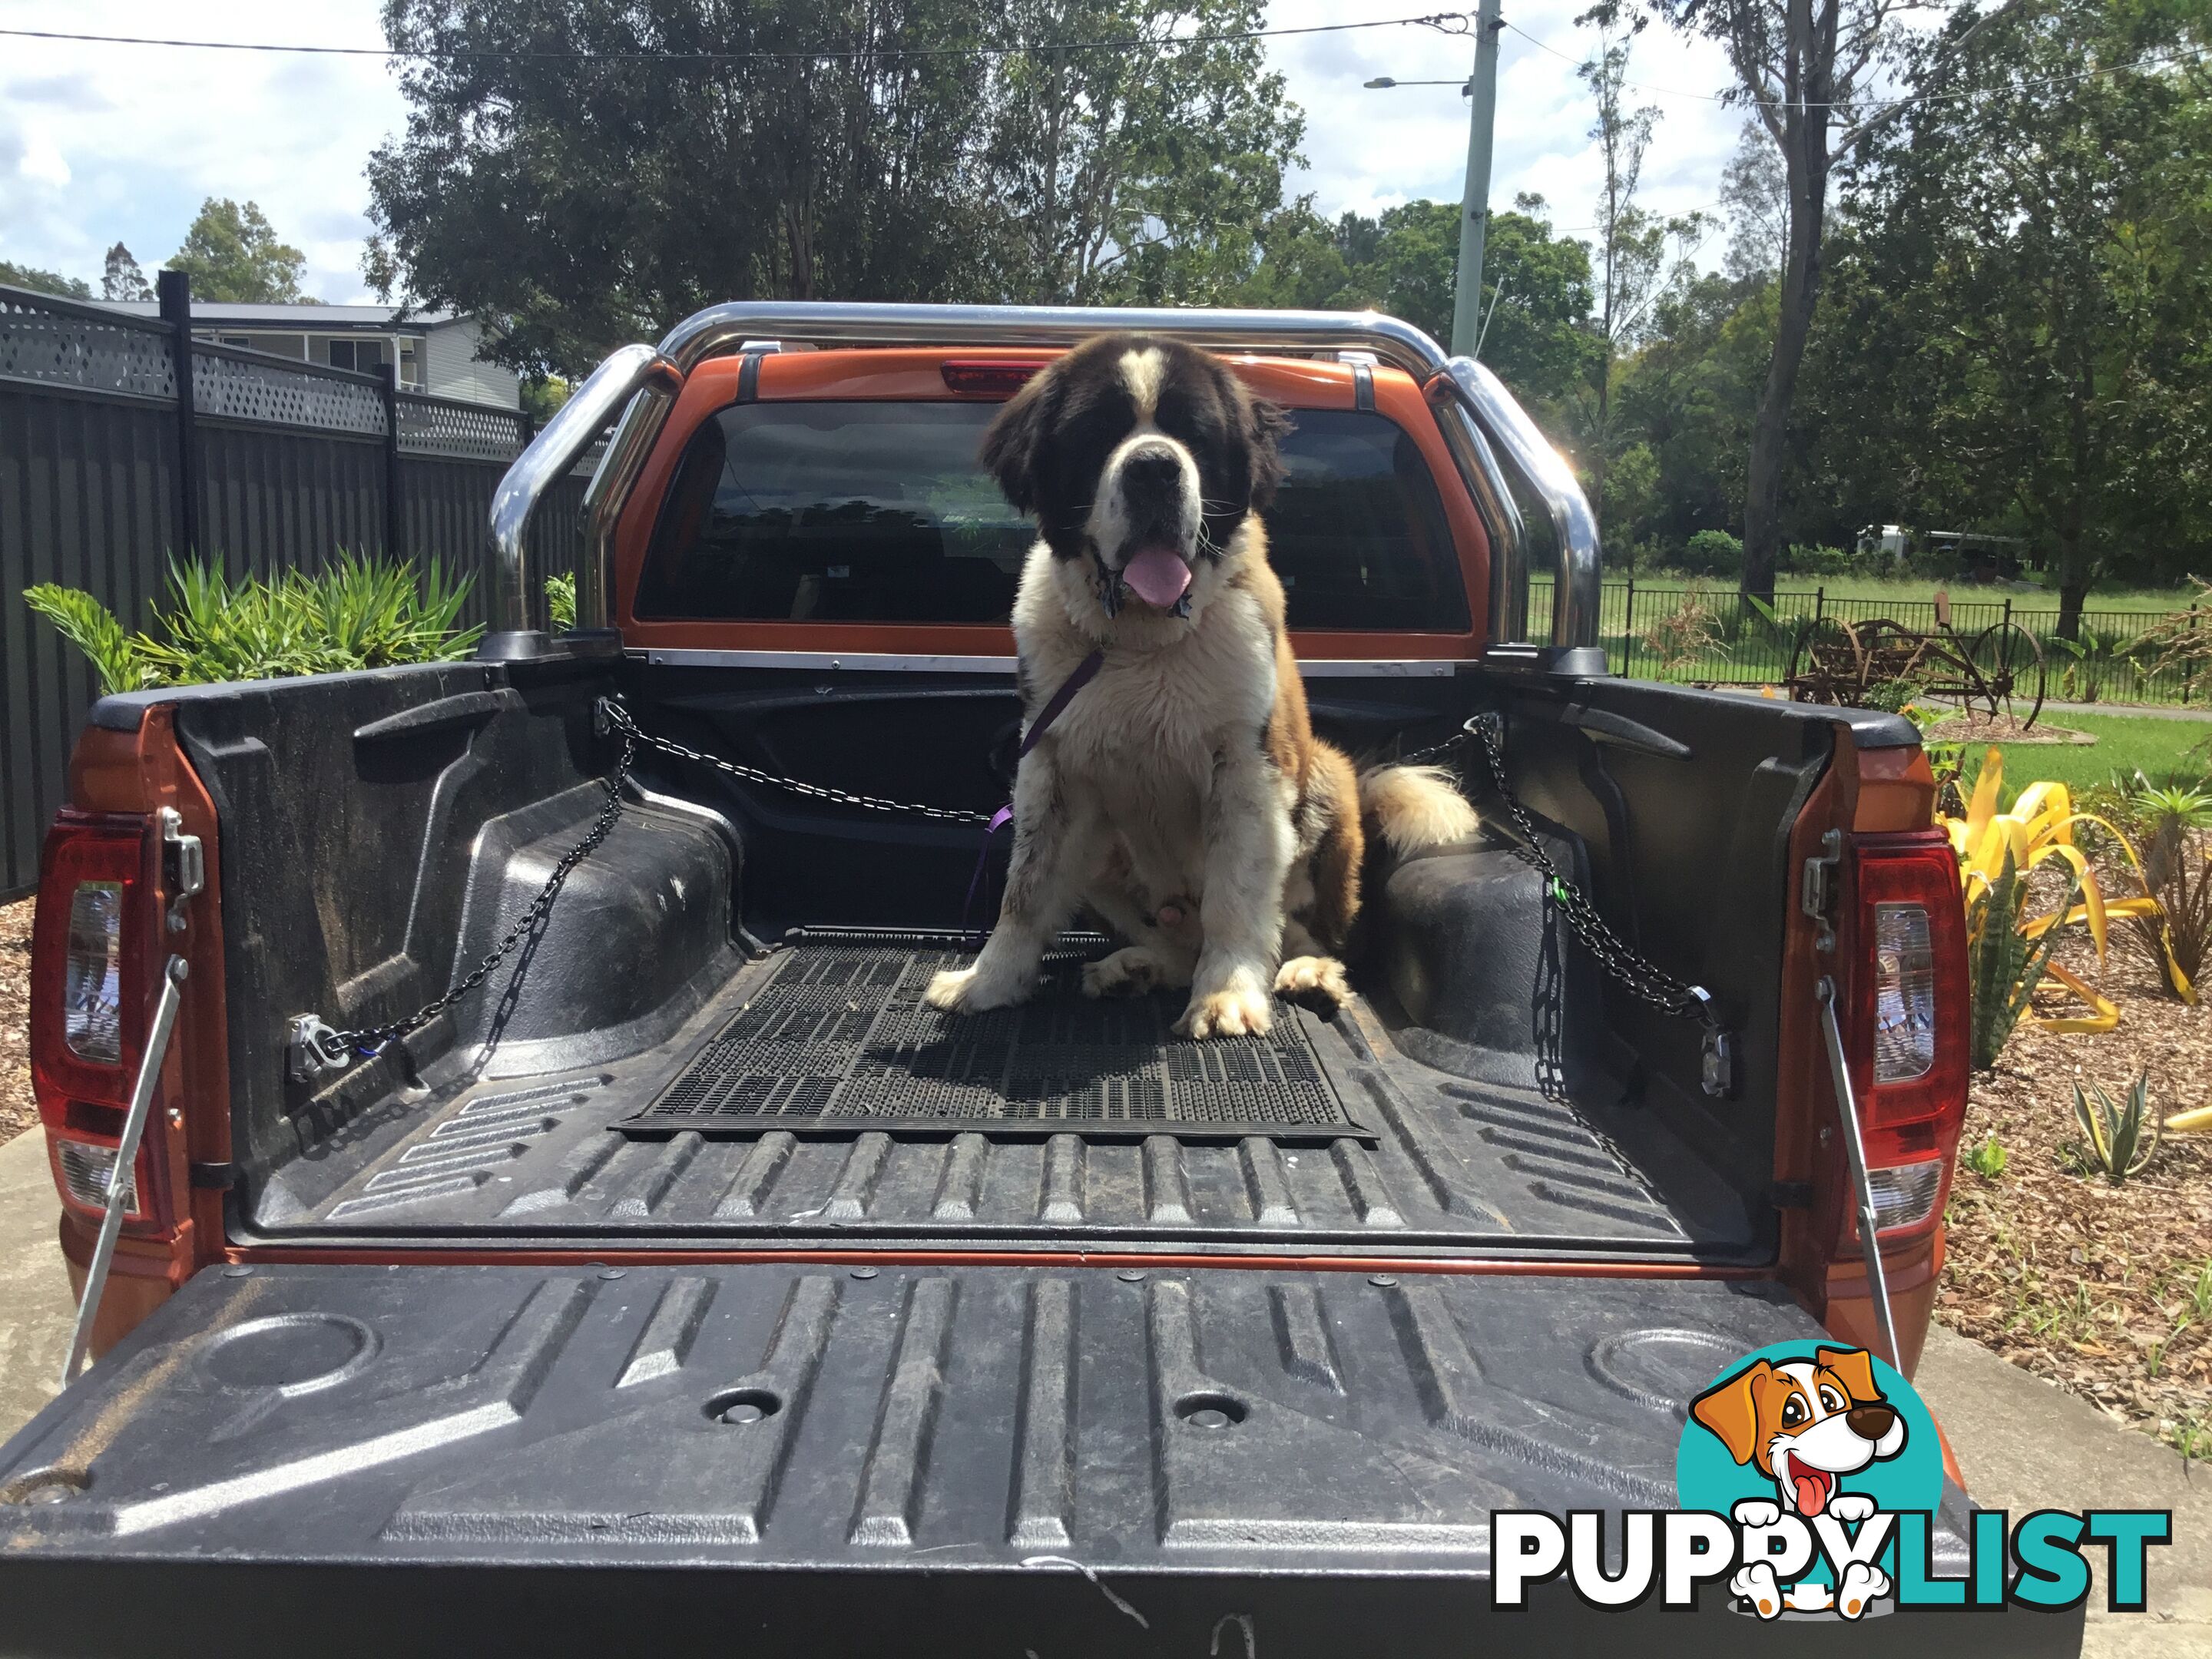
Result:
[[969, 991], [1863, 1584], [1851, 1506], [1129, 972], [1233, 1012], [1758, 1512], [1755, 1584], [1316, 980]]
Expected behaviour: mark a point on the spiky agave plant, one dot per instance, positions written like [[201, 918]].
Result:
[[2113, 1138], [2005, 962]]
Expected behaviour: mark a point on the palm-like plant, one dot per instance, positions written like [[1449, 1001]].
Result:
[[2177, 872], [359, 613]]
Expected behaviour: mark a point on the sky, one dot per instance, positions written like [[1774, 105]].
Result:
[[100, 143]]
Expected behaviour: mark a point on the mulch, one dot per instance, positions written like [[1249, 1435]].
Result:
[[2006, 728], [17, 1113], [2105, 1291]]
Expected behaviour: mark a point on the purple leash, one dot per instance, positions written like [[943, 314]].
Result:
[[1085, 672]]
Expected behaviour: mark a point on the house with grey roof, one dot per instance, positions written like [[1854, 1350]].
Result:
[[435, 350]]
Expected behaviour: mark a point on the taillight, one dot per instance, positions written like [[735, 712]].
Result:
[[1906, 1018], [91, 974], [95, 951]]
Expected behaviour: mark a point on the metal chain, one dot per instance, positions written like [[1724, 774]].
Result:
[[377, 1037], [1643, 978], [619, 716]]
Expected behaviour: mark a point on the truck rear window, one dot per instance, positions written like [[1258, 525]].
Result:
[[878, 513]]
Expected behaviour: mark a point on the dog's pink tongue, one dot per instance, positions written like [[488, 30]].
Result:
[[1158, 575], [1811, 1492]]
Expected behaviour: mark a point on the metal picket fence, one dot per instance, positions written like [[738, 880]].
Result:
[[2109, 661], [125, 441]]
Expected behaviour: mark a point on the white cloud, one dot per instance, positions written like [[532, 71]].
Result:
[[42, 161], [149, 132], [1370, 149], [140, 136]]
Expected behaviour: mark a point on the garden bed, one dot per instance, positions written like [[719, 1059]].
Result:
[[2006, 728], [17, 1113], [2105, 1291]]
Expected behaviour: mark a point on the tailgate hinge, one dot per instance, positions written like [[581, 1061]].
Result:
[[1816, 889], [183, 865]]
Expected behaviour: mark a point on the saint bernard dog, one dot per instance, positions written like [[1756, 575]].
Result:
[[1181, 796]]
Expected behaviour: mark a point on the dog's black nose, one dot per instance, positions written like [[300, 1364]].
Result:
[[1870, 1422], [1150, 469]]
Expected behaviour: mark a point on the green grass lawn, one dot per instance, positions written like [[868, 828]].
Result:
[[2151, 599], [2159, 749]]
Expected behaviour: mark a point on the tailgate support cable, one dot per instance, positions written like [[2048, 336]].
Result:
[[119, 1177], [1847, 1106]]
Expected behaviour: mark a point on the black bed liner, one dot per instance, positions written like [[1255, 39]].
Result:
[[794, 1458], [1451, 1163]]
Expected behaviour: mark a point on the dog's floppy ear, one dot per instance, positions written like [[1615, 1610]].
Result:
[[1013, 445], [1266, 425], [1855, 1366], [1730, 1409]]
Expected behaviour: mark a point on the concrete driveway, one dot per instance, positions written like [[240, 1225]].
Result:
[[35, 1305], [2022, 1444]]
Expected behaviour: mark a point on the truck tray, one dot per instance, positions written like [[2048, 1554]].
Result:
[[840, 1042]]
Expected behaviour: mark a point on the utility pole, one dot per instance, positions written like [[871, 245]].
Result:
[[1474, 199]]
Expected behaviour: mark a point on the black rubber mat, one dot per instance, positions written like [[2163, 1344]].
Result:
[[839, 1042]]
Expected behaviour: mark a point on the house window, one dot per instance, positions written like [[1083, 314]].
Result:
[[242, 341], [365, 356], [410, 365]]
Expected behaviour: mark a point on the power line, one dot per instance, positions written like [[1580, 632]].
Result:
[[2152, 63], [1449, 23]]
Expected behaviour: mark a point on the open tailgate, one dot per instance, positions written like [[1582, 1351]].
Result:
[[811, 1457]]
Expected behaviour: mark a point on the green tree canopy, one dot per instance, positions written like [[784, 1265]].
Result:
[[2025, 337], [121, 278], [579, 203], [1406, 262], [44, 281], [232, 255]]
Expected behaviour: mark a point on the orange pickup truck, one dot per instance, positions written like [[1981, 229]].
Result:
[[553, 1219]]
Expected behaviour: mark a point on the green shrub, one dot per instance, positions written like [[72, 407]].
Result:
[[1986, 1158], [1820, 561], [359, 613], [1713, 553], [560, 602]]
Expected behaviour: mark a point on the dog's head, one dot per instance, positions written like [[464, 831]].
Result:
[[1141, 458], [1804, 1422]]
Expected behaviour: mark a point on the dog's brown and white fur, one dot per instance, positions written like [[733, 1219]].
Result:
[[1181, 797]]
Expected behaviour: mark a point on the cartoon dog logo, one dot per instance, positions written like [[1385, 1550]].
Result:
[[1805, 1425]]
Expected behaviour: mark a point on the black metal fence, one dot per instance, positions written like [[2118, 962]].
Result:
[[1709, 636], [125, 442]]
